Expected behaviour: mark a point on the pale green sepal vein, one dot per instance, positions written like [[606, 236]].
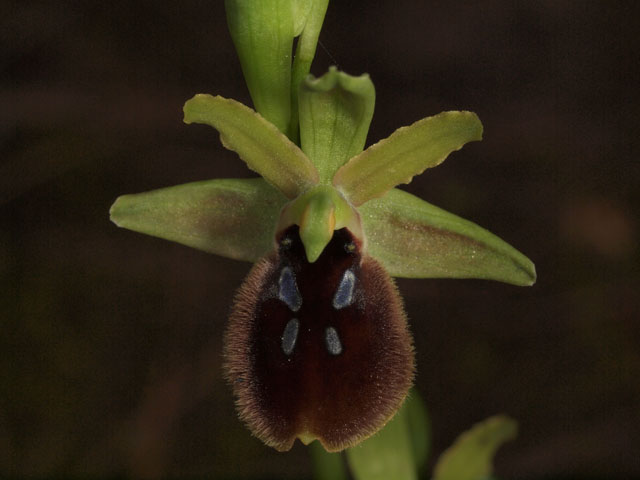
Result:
[[234, 218], [415, 239], [471, 455], [405, 153], [387, 455], [259, 143], [263, 33], [335, 114]]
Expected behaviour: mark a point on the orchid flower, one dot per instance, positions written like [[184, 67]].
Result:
[[317, 345]]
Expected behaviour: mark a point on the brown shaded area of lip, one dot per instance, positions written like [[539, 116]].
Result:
[[338, 399]]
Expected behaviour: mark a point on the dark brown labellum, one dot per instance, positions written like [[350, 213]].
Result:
[[318, 350]]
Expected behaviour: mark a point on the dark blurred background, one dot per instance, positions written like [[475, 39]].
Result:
[[111, 340]]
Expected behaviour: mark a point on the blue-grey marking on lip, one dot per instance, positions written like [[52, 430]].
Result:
[[290, 336], [344, 294], [334, 346], [288, 291]]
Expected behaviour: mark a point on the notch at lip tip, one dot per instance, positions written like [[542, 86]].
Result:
[[306, 437]]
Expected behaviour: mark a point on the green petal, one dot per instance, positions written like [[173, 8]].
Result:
[[335, 113], [406, 152], [263, 33], [256, 141], [471, 456], [388, 455], [412, 238], [234, 218]]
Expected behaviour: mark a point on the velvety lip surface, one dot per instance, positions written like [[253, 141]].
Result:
[[338, 365]]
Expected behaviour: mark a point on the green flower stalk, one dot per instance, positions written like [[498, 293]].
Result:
[[318, 345]]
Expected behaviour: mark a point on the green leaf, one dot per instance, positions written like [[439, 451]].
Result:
[[335, 113], [305, 51], [471, 456], [415, 239], [406, 152], [388, 455], [327, 466], [263, 33], [419, 428], [234, 218], [256, 141]]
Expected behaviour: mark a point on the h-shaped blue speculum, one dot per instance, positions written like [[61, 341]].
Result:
[[290, 336], [332, 341], [288, 289], [344, 294]]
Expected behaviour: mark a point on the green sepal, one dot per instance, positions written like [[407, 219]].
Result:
[[390, 453], [319, 212], [335, 114], [405, 153], [415, 239], [471, 455], [263, 33], [258, 142], [234, 218], [305, 51]]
